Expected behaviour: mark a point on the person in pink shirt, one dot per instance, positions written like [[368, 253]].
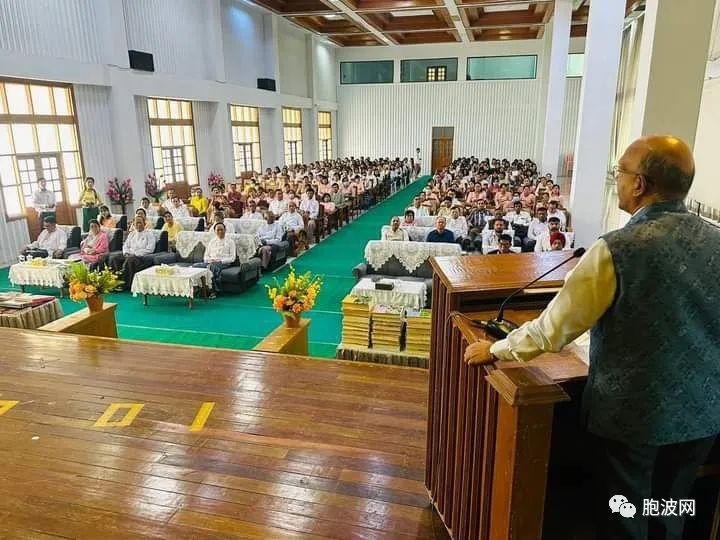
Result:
[[95, 244]]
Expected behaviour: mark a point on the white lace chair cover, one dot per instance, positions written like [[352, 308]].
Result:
[[245, 244], [423, 221], [410, 254], [418, 234], [245, 226], [67, 229], [188, 223]]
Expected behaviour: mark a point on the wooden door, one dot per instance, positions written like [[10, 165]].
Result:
[[442, 147], [32, 167]]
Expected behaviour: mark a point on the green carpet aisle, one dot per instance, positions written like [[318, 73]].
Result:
[[241, 321]]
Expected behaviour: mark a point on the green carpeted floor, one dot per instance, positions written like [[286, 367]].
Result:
[[241, 321]]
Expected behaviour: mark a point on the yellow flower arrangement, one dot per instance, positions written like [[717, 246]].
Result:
[[38, 263], [85, 284], [296, 294]]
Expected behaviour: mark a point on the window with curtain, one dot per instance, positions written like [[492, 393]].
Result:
[[488, 68], [38, 139], [172, 136], [246, 139], [325, 135], [292, 135]]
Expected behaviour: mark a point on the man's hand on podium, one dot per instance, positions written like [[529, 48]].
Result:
[[478, 353]]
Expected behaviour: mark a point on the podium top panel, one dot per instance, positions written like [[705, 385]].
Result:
[[499, 273]]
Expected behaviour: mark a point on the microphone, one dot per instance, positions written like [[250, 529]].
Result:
[[499, 327]]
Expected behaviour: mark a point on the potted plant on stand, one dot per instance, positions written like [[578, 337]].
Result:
[[153, 189], [90, 285], [120, 193], [295, 295], [215, 179]]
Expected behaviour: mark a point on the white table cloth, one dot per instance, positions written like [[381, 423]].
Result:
[[181, 283], [405, 294], [245, 244], [52, 275], [410, 254]]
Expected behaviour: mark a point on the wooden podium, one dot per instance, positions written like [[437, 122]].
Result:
[[490, 428]]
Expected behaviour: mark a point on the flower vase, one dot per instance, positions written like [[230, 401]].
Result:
[[292, 320], [95, 303]]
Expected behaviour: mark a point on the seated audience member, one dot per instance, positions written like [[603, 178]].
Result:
[[517, 216], [409, 219], [139, 243], [278, 206], [169, 196], [105, 219], [504, 245], [293, 223], [491, 238], [395, 233], [172, 227], [219, 217], [179, 210], [310, 209], [444, 209], [252, 212], [337, 197], [51, 241], [557, 241], [554, 211], [498, 215], [220, 253], [418, 208], [555, 196], [270, 234], [440, 233], [235, 200], [94, 246], [149, 210], [457, 224], [140, 212], [527, 198], [543, 241], [538, 227], [199, 202]]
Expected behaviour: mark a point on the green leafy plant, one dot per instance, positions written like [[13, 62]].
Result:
[[85, 283]]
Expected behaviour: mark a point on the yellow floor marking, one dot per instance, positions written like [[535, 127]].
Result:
[[202, 416], [6, 405], [133, 409]]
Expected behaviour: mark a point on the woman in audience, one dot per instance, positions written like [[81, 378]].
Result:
[[409, 220], [94, 246], [555, 196], [90, 202], [106, 219]]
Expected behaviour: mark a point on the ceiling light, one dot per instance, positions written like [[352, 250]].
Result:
[[333, 17], [418, 13], [511, 7]]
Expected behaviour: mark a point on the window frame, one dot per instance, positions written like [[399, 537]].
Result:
[[469, 58], [254, 125], [170, 123], [9, 119], [391, 81], [325, 146], [290, 146]]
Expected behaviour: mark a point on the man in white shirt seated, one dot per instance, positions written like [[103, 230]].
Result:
[[517, 216], [169, 196], [538, 226], [554, 211], [395, 233], [150, 211], [44, 201], [457, 224], [219, 217], [294, 224], [134, 257], [310, 208], [51, 241], [543, 242], [220, 253], [270, 234], [418, 208], [278, 206], [179, 210], [252, 212], [491, 239]]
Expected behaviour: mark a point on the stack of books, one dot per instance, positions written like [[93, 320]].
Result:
[[386, 328], [417, 334], [356, 322]]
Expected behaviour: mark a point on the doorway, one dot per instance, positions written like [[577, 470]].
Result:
[[32, 167], [442, 147]]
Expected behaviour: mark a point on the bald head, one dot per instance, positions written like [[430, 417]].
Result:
[[666, 162]]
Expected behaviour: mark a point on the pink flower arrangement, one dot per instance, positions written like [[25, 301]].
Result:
[[120, 193], [215, 179], [152, 188]]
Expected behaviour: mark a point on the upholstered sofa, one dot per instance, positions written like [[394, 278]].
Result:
[[386, 259]]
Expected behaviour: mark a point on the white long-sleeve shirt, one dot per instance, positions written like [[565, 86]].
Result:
[[51, 242], [536, 229], [271, 233], [311, 206], [523, 218], [292, 221], [223, 250], [278, 207], [458, 226], [139, 243], [252, 215], [44, 201], [419, 212], [561, 216]]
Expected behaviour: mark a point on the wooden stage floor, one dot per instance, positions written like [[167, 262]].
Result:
[[115, 439]]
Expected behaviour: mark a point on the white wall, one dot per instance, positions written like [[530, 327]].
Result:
[[248, 44], [293, 51], [706, 187], [325, 71]]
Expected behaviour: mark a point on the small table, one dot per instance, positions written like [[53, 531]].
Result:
[[410, 294], [31, 317], [181, 283], [53, 274]]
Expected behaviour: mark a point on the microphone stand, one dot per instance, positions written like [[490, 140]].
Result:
[[499, 327]]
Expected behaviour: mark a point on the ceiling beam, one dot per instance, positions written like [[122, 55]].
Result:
[[338, 4], [457, 21]]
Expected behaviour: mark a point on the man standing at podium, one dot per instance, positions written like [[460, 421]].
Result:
[[650, 293]]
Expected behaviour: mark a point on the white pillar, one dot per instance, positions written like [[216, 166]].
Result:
[[597, 104], [214, 52], [670, 78], [557, 81], [222, 139], [126, 143], [271, 137]]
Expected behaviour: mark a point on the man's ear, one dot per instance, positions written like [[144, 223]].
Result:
[[641, 185]]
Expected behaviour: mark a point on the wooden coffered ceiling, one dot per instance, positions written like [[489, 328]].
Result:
[[409, 22]]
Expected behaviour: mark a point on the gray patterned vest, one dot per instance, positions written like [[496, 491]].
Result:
[[655, 354]]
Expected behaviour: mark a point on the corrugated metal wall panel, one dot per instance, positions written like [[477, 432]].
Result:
[[174, 31], [93, 115], [570, 121], [50, 28], [492, 118], [143, 124]]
